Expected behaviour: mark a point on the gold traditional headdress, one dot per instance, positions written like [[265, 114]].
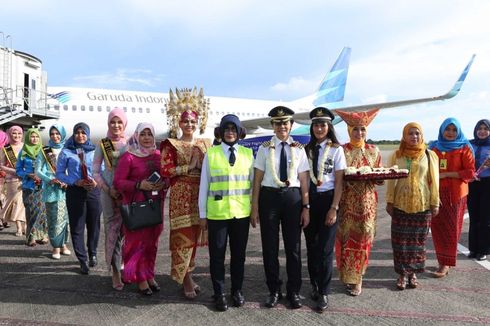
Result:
[[184, 100]]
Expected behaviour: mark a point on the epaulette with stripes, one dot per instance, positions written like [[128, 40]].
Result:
[[297, 144], [266, 144]]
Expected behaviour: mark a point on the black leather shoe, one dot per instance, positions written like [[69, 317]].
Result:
[[322, 303], [220, 302], [481, 257], [472, 254], [84, 268], [154, 287], [294, 301], [314, 293], [145, 292], [92, 261], [273, 299], [237, 298]]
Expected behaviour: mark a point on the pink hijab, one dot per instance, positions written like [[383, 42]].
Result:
[[135, 148], [10, 131], [4, 140], [117, 112]]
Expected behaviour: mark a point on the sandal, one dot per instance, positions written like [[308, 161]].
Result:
[[412, 281], [191, 295], [355, 292], [401, 283], [18, 234]]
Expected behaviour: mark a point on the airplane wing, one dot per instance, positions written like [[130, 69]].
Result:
[[303, 117]]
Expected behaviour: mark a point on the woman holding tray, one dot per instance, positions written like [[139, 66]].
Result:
[[412, 202], [357, 223]]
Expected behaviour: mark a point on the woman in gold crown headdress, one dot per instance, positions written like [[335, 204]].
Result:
[[181, 159], [357, 225]]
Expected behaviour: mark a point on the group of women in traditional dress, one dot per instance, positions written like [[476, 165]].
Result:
[[95, 178]]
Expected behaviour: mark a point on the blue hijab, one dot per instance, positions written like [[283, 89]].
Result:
[[444, 145], [478, 141], [62, 132], [73, 145]]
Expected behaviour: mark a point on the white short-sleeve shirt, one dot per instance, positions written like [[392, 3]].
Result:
[[263, 157], [334, 161]]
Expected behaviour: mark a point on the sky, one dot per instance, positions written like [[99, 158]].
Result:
[[275, 50]]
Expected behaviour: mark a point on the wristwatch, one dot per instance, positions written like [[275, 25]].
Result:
[[335, 207], [307, 206]]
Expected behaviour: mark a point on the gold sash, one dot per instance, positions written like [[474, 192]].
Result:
[[10, 155], [108, 150], [50, 158]]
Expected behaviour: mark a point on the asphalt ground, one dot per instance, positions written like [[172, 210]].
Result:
[[37, 290]]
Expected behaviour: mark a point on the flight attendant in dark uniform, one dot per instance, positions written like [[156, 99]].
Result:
[[327, 163], [224, 208], [280, 198]]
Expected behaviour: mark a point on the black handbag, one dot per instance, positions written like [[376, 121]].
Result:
[[141, 214]]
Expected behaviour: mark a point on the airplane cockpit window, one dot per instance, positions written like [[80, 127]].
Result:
[[99, 108], [82, 107], [90, 108]]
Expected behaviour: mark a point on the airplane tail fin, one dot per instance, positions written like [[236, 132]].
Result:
[[332, 87]]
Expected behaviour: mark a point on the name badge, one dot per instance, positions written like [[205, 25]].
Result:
[[443, 164]]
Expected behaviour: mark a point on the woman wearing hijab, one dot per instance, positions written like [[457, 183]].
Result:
[[130, 178], [3, 142], [108, 152], [37, 227], [479, 194], [359, 203], [456, 169], [13, 209], [412, 202], [74, 168], [53, 191]]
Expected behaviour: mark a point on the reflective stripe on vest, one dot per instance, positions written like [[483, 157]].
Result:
[[229, 186]]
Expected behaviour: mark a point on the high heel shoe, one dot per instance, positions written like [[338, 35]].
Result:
[[413, 283], [145, 292], [154, 287], [401, 283], [441, 272]]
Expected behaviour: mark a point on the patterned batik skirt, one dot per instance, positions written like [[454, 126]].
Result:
[[408, 237], [57, 216]]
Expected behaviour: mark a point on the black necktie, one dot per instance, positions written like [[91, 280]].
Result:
[[316, 153], [232, 158], [283, 164]]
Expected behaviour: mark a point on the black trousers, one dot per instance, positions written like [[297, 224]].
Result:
[[84, 209], [320, 242], [281, 207], [479, 211], [218, 233]]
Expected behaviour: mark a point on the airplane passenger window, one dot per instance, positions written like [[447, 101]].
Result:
[[140, 110], [57, 107], [147, 110], [125, 109], [65, 107], [91, 108], [99, 108], [163, 110], [74, 108], [133, 109], [82, 107]]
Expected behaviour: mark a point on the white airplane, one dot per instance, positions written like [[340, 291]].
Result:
[[93, 105]]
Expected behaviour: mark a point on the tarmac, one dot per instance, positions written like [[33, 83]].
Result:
[[37, 290]]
